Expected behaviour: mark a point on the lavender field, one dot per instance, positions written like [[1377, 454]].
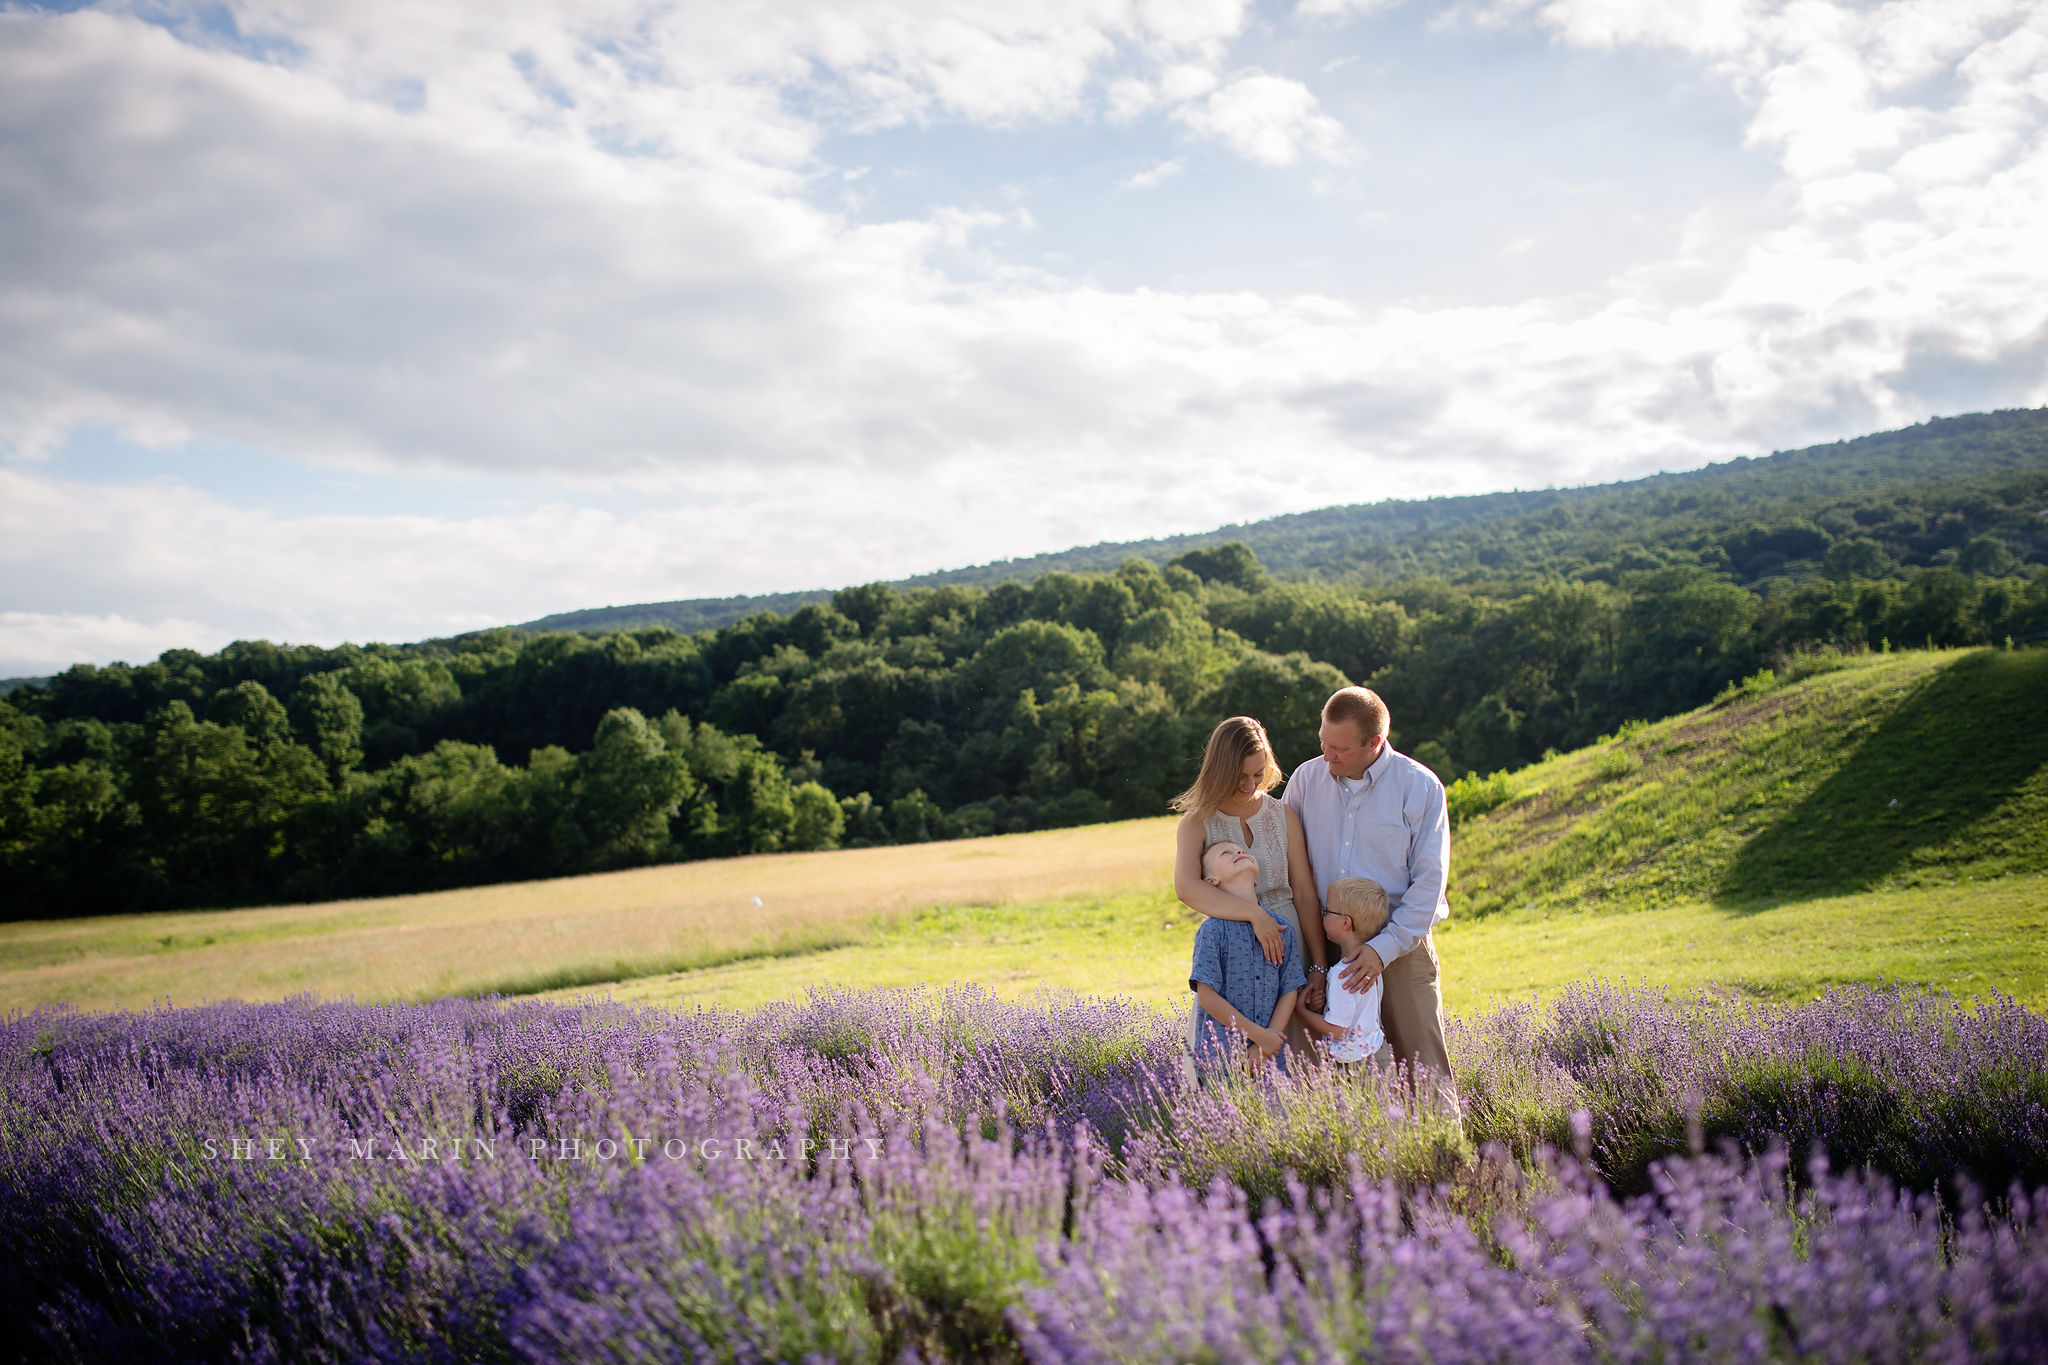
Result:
[[912, 1176]]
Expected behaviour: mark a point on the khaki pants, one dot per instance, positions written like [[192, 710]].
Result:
[[1412, 1010]]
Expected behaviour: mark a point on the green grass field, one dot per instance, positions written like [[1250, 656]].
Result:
[[531, 936], [1883, 820], [1979, 937]]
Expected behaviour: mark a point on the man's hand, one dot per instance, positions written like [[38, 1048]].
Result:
[[1268, 930], [1316, 994], [1361, 969]]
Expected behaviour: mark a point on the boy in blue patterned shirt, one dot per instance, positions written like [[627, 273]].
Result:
[[1246, 1000]]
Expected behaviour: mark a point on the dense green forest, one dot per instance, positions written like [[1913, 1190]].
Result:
[[269, 772]]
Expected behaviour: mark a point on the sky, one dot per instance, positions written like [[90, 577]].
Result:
[[369, 320]]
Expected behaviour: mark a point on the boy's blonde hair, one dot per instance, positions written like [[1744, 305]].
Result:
[[1363, 900]]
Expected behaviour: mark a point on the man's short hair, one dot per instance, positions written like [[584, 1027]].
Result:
[[1362, 899], [1362, 707]]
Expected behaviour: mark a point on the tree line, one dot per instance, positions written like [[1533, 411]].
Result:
[[268, 772]]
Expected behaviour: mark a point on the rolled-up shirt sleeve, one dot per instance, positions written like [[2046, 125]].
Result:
[[1419, 908]]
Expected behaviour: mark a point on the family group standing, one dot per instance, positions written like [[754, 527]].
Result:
[[1320, 903]]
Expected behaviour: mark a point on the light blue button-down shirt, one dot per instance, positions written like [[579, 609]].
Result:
[[1390, 825]]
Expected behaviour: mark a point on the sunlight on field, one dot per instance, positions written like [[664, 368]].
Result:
[[1970, 940], [1135, 946], [539, 935]]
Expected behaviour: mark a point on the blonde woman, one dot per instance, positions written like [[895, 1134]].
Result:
[[1231, 802]]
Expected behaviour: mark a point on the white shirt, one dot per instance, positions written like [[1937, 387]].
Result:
[[1390, 825], [1359, 1015]]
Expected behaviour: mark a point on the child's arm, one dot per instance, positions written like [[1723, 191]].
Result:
[[1318, 1024], [1228, 1015], [1283, 1011], [1265, 1049], [1293, 982]]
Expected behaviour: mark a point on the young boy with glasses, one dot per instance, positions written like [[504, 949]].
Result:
[[1356, 910]]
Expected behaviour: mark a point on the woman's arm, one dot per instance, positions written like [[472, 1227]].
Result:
[[1213, 901], [1301, 876]]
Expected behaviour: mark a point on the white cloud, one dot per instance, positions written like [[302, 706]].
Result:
[[1186, 82], [1128, 99], [1131, 98], [218, 243], [1705, 26], [1268, 119], [1158, 175], [575, 242], [1341, 9], [571, 63], [190, 569], [35, 644]]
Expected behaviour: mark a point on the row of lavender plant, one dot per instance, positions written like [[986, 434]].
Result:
[[1905, 1082], [899, 1175]]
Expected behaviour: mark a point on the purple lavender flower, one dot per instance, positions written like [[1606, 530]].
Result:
[[883, 1176]]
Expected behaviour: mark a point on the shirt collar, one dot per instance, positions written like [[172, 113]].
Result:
[[1373, 772], [1375, 769]]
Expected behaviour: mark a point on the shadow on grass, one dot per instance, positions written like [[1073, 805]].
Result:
[[1950, 755]]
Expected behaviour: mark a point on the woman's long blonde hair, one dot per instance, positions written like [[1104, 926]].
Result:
[[1230, 744]]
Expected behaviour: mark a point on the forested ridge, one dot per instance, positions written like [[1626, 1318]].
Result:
[[1477, 536], [268, 772]]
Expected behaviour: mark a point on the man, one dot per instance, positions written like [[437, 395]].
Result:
[[1367, 811]]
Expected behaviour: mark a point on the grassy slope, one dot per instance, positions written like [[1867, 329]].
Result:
[[1908, 770], [1134, 945]]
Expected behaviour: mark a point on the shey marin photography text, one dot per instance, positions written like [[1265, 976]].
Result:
[[478, 1147]]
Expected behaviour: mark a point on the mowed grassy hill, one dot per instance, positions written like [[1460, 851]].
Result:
[[1881, 818]]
